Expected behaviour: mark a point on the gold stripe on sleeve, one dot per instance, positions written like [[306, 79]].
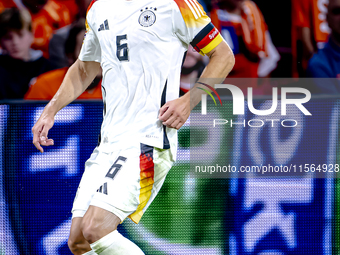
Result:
[[216, 41]]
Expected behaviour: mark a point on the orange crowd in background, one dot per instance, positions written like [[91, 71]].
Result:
[[46, 19], [246, 28], [310, 32]]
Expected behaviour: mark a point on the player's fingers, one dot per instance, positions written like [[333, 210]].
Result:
[[37, 145], [49, 142], [169, 121], [43, 134], [175, 123], [164, 112], [179, 125], [163, 109], [36, 139]]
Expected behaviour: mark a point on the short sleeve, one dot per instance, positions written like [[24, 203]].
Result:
[[193, 26], [90, 50]]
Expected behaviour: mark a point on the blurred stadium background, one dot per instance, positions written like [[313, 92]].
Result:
[[190, 215]]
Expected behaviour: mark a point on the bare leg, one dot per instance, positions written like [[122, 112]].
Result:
[[76, 241], [97, 223], [100, 230]]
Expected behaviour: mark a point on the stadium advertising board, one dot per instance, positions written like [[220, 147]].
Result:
[[270, 214]]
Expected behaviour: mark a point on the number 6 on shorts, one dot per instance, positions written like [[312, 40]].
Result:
[[115, 167]]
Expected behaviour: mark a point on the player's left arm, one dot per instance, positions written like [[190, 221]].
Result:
[[175, 113]]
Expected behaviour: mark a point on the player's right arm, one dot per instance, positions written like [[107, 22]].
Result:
[[77, 79]]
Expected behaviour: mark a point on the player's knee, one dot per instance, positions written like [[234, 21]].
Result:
[[91, 230]]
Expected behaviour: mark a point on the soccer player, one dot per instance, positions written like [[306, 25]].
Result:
[[140, 47]]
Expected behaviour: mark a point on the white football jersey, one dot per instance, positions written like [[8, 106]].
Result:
[[140, 45]]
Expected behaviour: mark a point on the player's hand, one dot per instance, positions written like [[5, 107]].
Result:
[[40, 132], [174, 113]]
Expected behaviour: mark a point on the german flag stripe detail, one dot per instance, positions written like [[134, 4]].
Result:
[[203, 33], [146, 180], [207, 39], [216, 41]]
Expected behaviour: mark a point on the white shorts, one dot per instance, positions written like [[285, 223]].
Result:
[[124, 182]]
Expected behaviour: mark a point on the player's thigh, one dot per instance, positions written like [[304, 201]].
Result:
[[95, 170], [127, 181], [98, 222]]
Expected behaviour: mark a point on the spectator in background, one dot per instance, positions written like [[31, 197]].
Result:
[[242, 25], [47, 16], [192, 68], [57, 42], [326, 62], [309, 31], [46, 85], [18, 63]]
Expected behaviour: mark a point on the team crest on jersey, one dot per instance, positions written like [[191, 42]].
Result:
[[147, 17]]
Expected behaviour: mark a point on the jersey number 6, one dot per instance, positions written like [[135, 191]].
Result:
[[122, 48], [115, 167]]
